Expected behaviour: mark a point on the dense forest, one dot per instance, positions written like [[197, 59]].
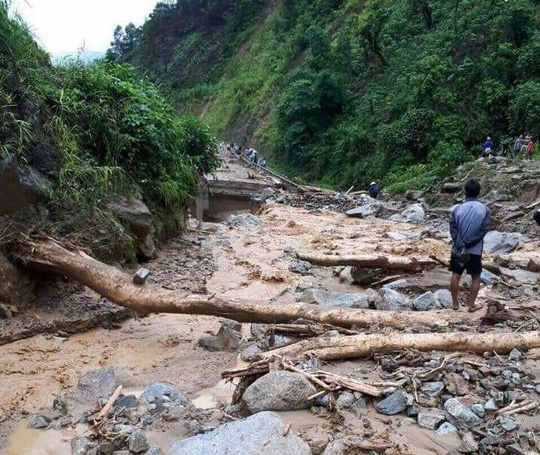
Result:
[[344, 91], [91, 134]]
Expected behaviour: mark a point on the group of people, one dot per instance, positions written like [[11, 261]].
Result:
[[248, 154], [523, 147]]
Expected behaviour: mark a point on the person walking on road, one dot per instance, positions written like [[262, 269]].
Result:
[[469, 223]]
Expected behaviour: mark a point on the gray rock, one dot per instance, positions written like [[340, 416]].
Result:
[[490, 405], [487, 277], [460, 415], [478, 409], [246, 220], [279, 391], [348, 300], [394, 404], [227, 339], [496, 242], [331, 334], [393, 300], [153, 450], [323, 402], [431, 418], [414, 214], [468, 443], [425, 302], [39, 422], [141, 276], [137, 442], [94, 385], [81, 445], [301, 267], [163, 393], [515, 354], [398, 284], [20, 187], [260, 434], [443, 298], [335, 448], [432, 389], [508, 423], [488, 441], [366, 210], [251, 353], [345, 400], [446, 428]]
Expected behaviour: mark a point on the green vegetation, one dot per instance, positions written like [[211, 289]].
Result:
[[97, 132], [349, 91]]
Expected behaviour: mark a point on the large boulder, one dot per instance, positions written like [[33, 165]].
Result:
[[136, 215], [414, 214], [279, 391], [496, 242], [366, 210], [426, 301], [20, 187], [393, 300], [260, 434]]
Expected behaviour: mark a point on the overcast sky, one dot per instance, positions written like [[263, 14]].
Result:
[[63, 26]]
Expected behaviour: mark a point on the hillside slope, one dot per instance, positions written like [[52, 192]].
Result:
[[349, 91]]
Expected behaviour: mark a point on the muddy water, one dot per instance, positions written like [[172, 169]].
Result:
[[251, 265], [25, 441]]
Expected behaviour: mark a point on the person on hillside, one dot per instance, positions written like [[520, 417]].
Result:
[[469, 223], [374, 190], [488, 147], [524, 146], [517, 145], [529, 150]]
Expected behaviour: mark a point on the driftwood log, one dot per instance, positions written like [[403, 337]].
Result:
[[326, 348], [377, 261], [115, 285]]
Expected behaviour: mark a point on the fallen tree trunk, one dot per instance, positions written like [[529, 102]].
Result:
[[370, 261], [111, 283], [366, 345]]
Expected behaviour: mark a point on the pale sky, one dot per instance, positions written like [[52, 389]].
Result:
[[63, 26]]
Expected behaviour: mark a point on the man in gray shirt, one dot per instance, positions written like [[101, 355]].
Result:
[[469, 223]]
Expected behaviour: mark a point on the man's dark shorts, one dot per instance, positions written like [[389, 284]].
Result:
[[473, 267]]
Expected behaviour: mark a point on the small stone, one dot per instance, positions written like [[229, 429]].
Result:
[[105, 448], [127, 401], [153, 450], [488, 441], [345, 400], [515, 354], [412, 411], [335, 448], [456, 384], [141, 276], [323, 402], [394, 404], [432, 389], [39, 422], [478, 409], [490, 405], [251, 353], [300, 267], [425, 301], [515, 449], [460, 415], [431, 418], [446, 428], [331, 334], [468, 443], [509, 424], [137, 441], [443, 298], [81, 445]]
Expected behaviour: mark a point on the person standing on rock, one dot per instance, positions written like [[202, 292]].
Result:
[[517, 146], [469, 223], [488, 147]]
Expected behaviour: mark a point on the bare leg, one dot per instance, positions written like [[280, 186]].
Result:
[[454, 289], [475, 287]]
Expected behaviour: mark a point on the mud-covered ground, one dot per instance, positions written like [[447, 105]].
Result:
[[241, 262]]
